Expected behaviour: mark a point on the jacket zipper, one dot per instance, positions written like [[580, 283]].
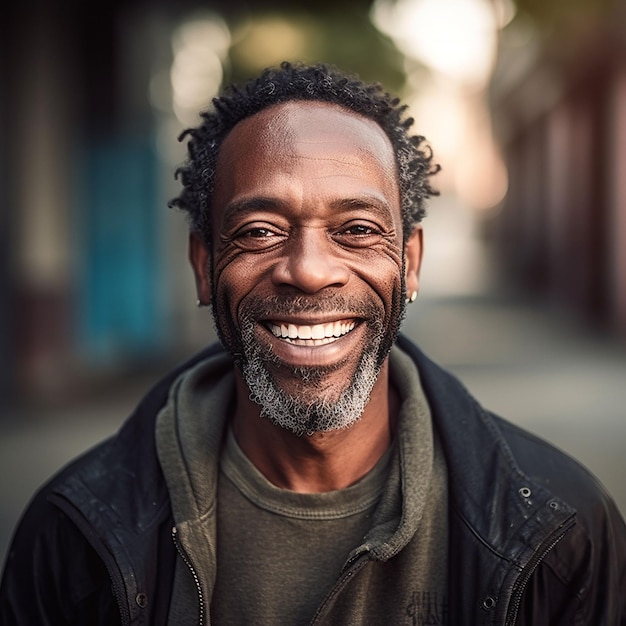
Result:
[[188, 563], [118, 592], [520, 586]]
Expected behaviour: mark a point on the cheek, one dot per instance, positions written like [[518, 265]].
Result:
[[223, 259], [383, 271], [235, 276], [229, 268], [229, 286]]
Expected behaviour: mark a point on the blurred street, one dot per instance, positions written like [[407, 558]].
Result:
[[523, 360]]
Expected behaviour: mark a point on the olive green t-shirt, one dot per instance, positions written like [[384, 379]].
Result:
[[278, 551]]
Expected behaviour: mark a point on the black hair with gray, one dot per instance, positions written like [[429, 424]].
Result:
[[302, 82]]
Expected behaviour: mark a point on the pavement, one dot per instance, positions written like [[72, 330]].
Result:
[[534, 364]]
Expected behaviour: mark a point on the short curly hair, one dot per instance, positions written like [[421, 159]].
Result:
[[298, 81]]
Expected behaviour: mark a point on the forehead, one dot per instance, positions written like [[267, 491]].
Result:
[[306, 130]]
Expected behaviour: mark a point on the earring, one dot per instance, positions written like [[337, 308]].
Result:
[[199, 303], [412, 297]]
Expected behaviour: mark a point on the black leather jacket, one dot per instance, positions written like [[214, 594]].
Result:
[[534, 539]]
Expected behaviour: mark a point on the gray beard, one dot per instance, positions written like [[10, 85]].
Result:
[[310, 409], [318, 412]]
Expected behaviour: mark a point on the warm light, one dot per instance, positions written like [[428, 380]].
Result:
[[206, 31], [454, 37], [456, 41], [200, 45], [269, 40], [196, 76]]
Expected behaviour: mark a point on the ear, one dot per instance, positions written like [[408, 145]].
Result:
[[413, 249], [199, 257]]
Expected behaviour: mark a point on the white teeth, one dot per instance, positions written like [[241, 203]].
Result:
[[318, 334]]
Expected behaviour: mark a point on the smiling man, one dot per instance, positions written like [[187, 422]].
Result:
[[309, 266], [315, 467]]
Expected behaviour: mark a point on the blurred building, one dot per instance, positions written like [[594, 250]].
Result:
[[558, 98]]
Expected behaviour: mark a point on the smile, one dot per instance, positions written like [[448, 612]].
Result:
[[313, 335]]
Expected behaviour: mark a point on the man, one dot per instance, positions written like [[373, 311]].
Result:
[[317, 468]]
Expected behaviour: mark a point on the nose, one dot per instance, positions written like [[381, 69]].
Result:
[[310, 262]]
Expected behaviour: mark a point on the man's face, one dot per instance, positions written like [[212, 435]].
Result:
[[308, 271]]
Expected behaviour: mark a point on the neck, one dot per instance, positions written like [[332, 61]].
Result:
[[323, 461]]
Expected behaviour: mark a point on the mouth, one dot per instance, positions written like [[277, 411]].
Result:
[[313, 334]]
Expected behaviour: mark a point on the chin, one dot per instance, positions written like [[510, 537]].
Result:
[[304, 406]]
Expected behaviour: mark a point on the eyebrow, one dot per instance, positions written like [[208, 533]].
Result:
[[249, 205], [373, 202], [244, 206]]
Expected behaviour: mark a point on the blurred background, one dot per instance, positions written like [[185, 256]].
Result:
[[524, 281]]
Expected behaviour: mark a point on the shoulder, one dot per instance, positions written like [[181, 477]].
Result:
[[128, 459], [591, 558], [559, 472], [126, 464], [538, 459]]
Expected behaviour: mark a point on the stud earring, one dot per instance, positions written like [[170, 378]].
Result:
[[412, 297]]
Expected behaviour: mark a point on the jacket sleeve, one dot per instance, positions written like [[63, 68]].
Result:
[[602, 590], [52, 576]]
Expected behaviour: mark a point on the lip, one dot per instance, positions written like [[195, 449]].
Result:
[[316, 334], [318, 351]]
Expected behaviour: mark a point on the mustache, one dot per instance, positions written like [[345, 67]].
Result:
[[256, 307]]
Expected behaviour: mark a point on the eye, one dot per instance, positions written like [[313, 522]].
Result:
[[257, 237], [359, 234], [257, 233], [361, 230]]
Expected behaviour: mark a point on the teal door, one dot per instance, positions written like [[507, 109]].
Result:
[[120, 247]]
